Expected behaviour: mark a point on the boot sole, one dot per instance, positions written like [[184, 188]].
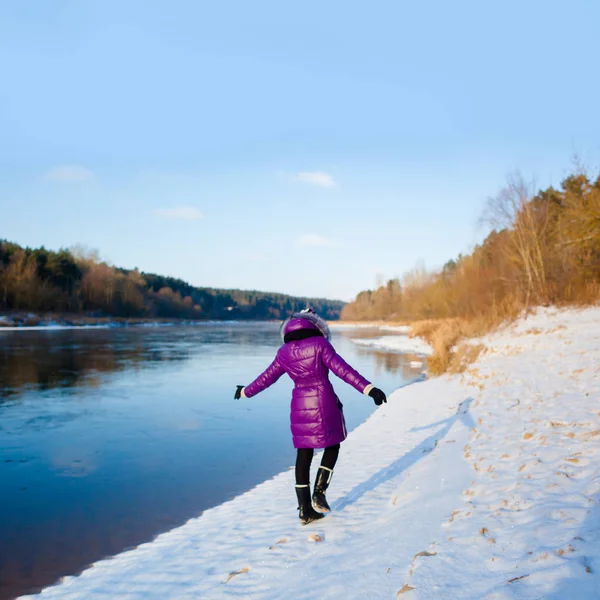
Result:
[[311, 521]]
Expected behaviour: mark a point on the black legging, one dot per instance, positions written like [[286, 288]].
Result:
[[304, 459]]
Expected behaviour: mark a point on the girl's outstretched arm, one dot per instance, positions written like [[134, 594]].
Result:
[[335, 363], [271, 374]]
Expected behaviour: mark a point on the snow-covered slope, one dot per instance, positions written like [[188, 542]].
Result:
[[480, 486]]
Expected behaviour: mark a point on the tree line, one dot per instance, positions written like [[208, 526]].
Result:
[[543, 248], [75, 281]]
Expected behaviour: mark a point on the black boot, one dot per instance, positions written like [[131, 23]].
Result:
[[321, 484], [307, 513]]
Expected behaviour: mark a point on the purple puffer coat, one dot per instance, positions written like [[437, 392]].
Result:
[[316, 416]]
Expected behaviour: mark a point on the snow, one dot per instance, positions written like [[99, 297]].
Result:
[[480, 486], [341, 325], [397, 328], [397, 343]]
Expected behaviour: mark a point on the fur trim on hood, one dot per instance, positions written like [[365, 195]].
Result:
[[312, 321]]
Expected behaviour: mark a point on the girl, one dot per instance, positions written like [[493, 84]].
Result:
[[317, 420]]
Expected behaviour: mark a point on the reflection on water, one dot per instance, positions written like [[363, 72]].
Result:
[[109, 437], [408, 366], [61, 359]]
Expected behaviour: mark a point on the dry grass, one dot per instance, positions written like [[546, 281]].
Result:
[[580, 294], [445, 335], [463, 356], [238, 572]]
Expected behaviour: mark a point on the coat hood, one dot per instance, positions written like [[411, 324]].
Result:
[[305, 319]]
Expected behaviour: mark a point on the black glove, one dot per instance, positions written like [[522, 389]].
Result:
[[378, 396], [238, 392]]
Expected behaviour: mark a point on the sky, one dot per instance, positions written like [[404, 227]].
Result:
[[312, 148]]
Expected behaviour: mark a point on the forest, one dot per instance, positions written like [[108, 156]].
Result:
[[78, 282], [543, 248]]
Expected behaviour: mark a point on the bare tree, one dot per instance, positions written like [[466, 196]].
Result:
[[512, 210]]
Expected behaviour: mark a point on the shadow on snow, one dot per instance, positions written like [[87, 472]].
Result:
[[410, 458]]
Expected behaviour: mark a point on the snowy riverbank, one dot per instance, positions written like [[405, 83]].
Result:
[[480, 486]]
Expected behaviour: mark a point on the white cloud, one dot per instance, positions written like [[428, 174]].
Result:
[[179, 212], [312, 239], [318, 178], [69, 173]]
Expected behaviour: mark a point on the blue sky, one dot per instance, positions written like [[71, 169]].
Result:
[[308, 148]]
